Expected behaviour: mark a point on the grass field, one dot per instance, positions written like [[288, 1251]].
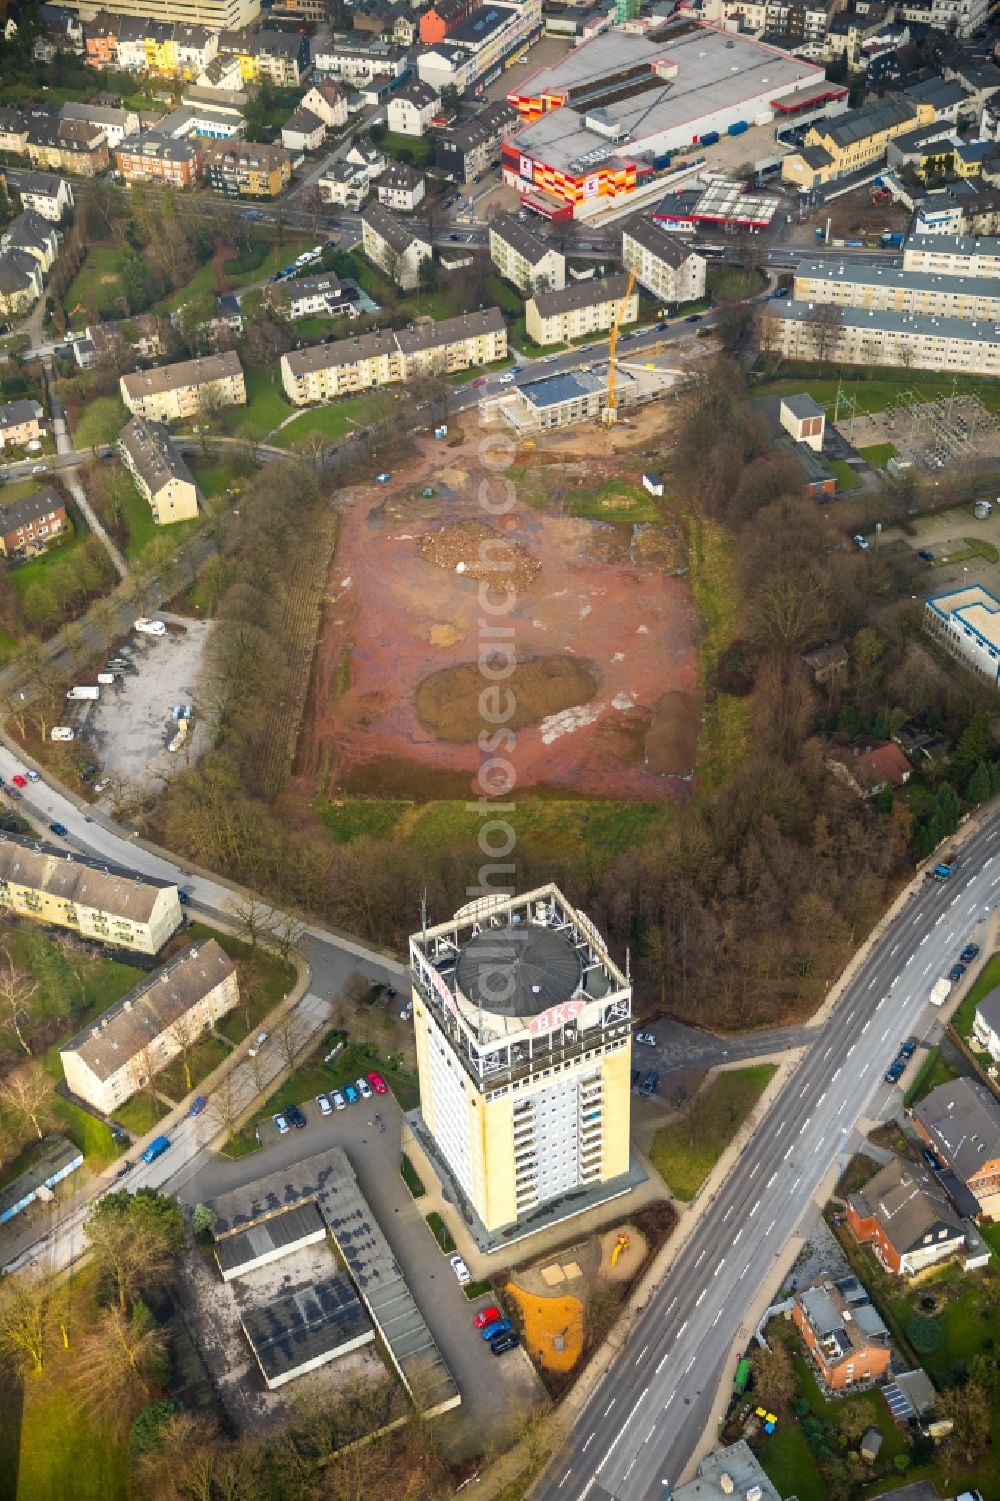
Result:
[[969, 1325], [96, 287], [55, 558], [726, 726], [733, 283], [63, 1457], [879, 454], [266, 406], [685, 1153], [333, 422], [876, 394], [202, 1058], [934, 1070], [140, 1114], [847, 477], [142, 528], [96, 419]]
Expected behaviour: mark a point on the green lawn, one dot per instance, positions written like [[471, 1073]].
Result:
[[361, 817], [847, 477], [63, 1456], [614, 501], [335, 421], [266, 406], [52, 561], [96, 286], [875, 395], [213, 474], [203, 1057], [271, 982], [415, 149], [934, 1070], [408, 1173], [96, 420], [733, 283], [879, 454], [685, 1153], [969, 1325], [202, 283], [726, 727], [140, 1114], [85, 1131], [142, 528], [440, 1231], [989, 979]]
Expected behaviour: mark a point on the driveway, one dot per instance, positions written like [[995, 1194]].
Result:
[[496, 1392]]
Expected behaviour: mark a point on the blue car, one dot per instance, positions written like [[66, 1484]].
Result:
[[495, 1330], [351, 1094], [58, 828], [197, 1105]]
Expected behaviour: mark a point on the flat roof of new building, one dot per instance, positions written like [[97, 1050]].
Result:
[[716, 71], [976, 607], [312, 1324], [518, 971], [480, 25], [551, 390], [898, 279], [802, 406]]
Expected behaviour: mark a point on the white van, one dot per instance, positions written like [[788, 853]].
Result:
[[147, 627], [63, 732]]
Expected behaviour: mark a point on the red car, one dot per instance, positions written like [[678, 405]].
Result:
[[19, 781], [378, 1084], [481, 381], [487, 1316]]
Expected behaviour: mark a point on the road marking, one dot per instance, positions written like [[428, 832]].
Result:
[[718, 1269], [803, 1128], [928, 969], [699, 1300], [836, 1076], [663, 1361], [728, 1213], [745, 1270], [841, 1108], [821, 1098], [797, 1182], [689, 1364], [616, 1440], [893, 949], [803, 1091], [718, 1316], [923, 940], [701, 1258], [850, 1016], [754, 1169], [737, 1235], [628, 1471], [780, 1126], [590, 1440], [682, 1328], [788, 1154], [609, 1406], [828, 1051], [671, 1304], [771, 1179], [668, 1401], [867, 1024], [649, 1435], [641, 1354], [771, 1226]]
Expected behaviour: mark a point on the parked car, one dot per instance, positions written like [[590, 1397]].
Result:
[[280, 1125], [480, 380], [351, 1094], [860, 541], [33, 776], [970, 952], [505, 1342], [183, 898], [460, 1269], [198, 1104], [339, 1103], [931, 1158], [649, 1083], [258, 1043], [364, 1088], [956, 972], [895, 1071], [325, 1108], [648, 1039], [296, 1117], [909, 1048], [486, 1316], [498, 1327], [925, 555], [18, 780], [126, 1167], [378, 1083], [693, 318], [59, 829]]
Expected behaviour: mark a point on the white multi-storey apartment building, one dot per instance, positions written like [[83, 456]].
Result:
[[664, 264], [527, 261]]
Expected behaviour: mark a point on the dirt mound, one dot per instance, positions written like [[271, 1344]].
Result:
[[479, 552], [445, 634], [672, 739], [447, 702]]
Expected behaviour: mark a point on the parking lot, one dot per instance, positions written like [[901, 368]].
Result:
[[130, 727], [497, 1393]]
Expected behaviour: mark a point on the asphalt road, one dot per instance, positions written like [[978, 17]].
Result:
[[644, 1419]]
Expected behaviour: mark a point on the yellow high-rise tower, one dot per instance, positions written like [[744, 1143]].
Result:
[[524, 1043]]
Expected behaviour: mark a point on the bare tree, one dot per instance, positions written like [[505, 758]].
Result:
[[825, 326], [27, 1094], [117, 1363], [224, 1104], [184, 1033], [17, 991], [24, 1306], [286, 1040], [256, 919], [133, 1256]]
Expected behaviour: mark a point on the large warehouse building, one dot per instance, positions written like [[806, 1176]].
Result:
[[523, 1033], [616, 110]]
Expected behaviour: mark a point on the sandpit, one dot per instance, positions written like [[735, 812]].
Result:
[[448, 702], [553, 1328], [478, 551]]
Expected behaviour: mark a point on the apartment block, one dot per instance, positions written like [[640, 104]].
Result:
[[866, 336], [244, 169], [524, 259], [666, 265], [401, 187], [327, 100], [20, 283], [898, 291], [412, 108], [30, 524], [357, 62], [588, 307], [73, 146], [859, 138], [387, 357], [522, 1024], [212, 14], [160, 1020], [116, 123], [492, 37], [173, 393], [46, 194], [88, 896], [161, 476], [472, 149], [393, 246], [343, 183], [34, 236], [953, 255], [159, 159]]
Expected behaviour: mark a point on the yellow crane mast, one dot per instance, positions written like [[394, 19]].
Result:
[[611, 409]]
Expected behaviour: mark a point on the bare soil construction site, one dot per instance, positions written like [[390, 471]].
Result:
[[601, 696]]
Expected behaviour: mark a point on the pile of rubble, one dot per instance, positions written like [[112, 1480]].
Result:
[[474, 549]]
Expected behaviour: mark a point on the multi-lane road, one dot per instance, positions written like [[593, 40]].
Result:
[[643, 1421]]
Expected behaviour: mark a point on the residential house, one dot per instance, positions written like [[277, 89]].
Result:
[[245, 169], [960, 1120], [412, 108], [905, 1215], [161, 59], [197, 119], [394, 247], [835, 148], [327, 100], [116, 123], [83, 893], [284, 58], [587, 308], [401, 187], [29, 525], [58, 30], [468, 151], [869, 766], [343, 183], [986, 1024], [161, 476], [20, 423], [131, 44], [194, 49], [366, 154], [827, 664], [161, 1019], [172, 393], [526, 260], [969, 257], [224, 74], [45, 194], [845, 1336], [303, 131], [75, 146], [33, 235], [734, 1471], [13, 131], [666, 265], [100, 41], [442, 18], [176, 163], [360, 59], [319, 296], [386, 357], [20, 283]]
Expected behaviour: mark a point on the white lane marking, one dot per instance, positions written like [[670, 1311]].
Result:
[[565, 1478], [850, 1016], [718, 1269], [737, 1235], [867, 1024], [689, 1364], [788, 1154], [771, 1226], [588, 1443], [630, 1468], [896, 946], [718, 1316], [682, 1328], [699, 1300], [803, 1128], [771, 1180], [745, 1270], [701, 1258], [779, 1128], [821, 1098], [803, 1091], [587, 1488], [670, 1305], [928, 968], [609, 1406], [617, 1438], [828, 1052], [728, 1213], [668, 1401], [649, 1435], [797, 1182], [923, 940], [641, 1354], [662, 1362], [836, 1076], [755, 1169]]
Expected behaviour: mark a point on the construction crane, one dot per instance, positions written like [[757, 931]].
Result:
[[611, 409]]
